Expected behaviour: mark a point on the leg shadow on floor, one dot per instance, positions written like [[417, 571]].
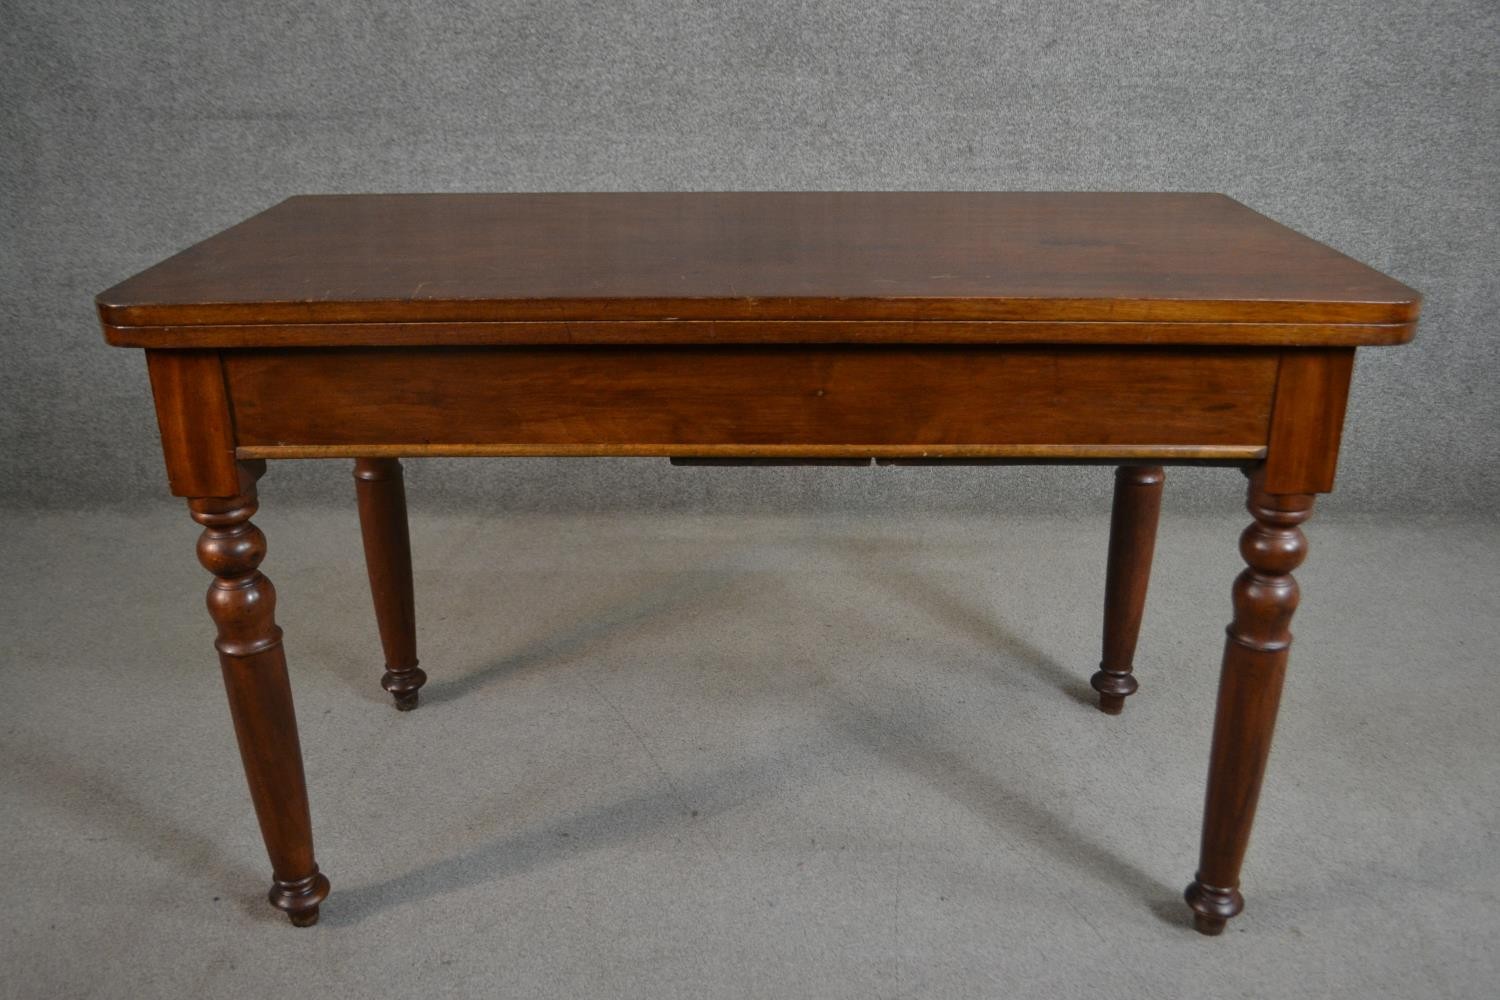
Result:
[[682, 593], [902, 734], [963, 614], [653, 813]]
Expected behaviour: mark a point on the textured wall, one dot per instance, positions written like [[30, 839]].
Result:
[[129, 130]]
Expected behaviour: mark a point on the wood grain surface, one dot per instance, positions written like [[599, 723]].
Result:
[[361, 269], [893, 400]]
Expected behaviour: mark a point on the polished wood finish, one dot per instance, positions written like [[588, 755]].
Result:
[[382, 520], [865, 399], [894, 454], [1255, 655], [197, 429], [1307, 422], [1142, 330], [326, 261], [1132, 542], [242, 603], [690, 331]]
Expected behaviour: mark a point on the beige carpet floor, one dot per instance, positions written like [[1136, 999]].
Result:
[[703, 757]]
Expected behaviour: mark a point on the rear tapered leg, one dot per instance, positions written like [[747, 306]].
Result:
[[382, 522], [1132, 541], [242, 603], [1255, 655]]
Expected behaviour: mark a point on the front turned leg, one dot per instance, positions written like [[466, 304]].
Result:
[[1255, 654], [1132, 541], [382, 522], [242, 603]]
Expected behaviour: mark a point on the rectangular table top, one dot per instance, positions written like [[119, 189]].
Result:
[[329, 270]]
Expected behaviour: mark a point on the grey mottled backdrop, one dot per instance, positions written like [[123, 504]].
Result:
[[129, 130]]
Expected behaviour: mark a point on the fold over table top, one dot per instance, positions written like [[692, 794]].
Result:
[[894, 267]]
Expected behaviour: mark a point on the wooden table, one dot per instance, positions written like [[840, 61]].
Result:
[[1141, 330]]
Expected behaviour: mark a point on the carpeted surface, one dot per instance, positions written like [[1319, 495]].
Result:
[[746, 757]]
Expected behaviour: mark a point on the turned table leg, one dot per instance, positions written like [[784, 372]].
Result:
[[1255, 654], [1132, 541], [382, 521], [242, 603]]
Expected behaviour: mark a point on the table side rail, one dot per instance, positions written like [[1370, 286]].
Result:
[[776, 401]]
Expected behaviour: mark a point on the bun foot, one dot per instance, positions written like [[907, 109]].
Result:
[[1212, 906], [404, 686], [1114, 687], [1209, 926], [299, 900], [305, 918]]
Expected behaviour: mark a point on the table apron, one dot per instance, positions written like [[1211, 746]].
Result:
[[711, 397], [827, 400]]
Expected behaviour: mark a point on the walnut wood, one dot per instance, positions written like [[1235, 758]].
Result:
[[863, 399], [922, 454], [710, 331], [1141, 329], [1132, 542], [197, 429], [1307, 420], [382, 521], [322, 261], [1255, 655], [1197, 458], [242, 603]]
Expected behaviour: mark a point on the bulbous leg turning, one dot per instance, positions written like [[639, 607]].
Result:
[[242, 603], [1255, 656]]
